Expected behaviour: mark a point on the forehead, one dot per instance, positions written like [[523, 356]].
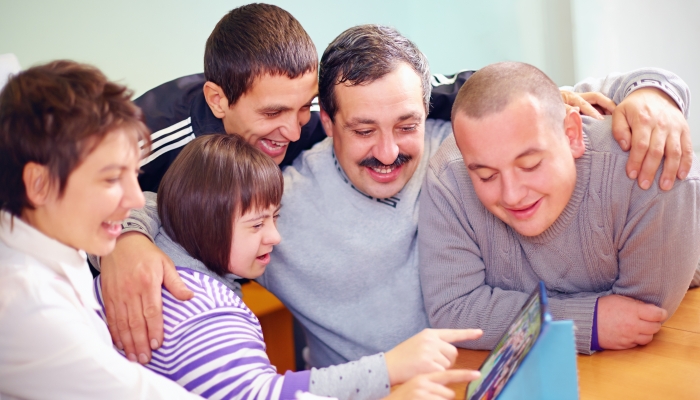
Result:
[[521, 127], [269, 87], [119, 149], [396, 93]]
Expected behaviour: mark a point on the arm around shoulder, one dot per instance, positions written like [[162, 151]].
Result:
[[660, 244]]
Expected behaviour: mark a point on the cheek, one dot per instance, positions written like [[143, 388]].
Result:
[[412, 145], [351, 150], [304, 117], [487, 192]]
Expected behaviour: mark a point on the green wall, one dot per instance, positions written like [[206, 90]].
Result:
[[144, 43]]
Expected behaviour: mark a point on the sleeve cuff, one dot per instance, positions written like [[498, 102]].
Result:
[[364, 379], [580, 310], [595, 346], [293, 382], [133, 225], [653, 81]]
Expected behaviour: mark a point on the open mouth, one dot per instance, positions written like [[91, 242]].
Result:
[[264, 259], [113, 228], [385, 173], [273, 148], [384, 169]]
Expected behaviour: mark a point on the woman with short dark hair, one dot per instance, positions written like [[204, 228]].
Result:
[[69, 156]]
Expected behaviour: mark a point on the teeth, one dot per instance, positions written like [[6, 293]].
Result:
[[113, 222], [273, 145], [382, 170]]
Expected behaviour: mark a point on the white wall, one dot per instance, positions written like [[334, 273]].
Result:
[[620, 35], [146, 42]]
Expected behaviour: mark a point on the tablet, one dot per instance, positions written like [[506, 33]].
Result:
[[511, 350]]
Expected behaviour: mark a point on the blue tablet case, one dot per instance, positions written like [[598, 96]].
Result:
[[549, 369]]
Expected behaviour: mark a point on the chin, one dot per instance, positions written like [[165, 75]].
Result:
[[102, 248], [529, 230], [383, 190]]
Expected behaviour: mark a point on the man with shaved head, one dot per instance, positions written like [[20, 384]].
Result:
[[528, 191]]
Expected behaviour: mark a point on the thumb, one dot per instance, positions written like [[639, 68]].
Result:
[[651, 313], [174, 284]]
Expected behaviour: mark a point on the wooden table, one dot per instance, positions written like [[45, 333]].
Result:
[[666, 368]]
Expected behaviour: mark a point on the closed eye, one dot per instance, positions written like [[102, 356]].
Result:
[[489, 179], [534, 167]]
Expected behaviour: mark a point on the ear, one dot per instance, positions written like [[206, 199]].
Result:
[[327, 123], [37, 183], [573, 129], [216, 99]]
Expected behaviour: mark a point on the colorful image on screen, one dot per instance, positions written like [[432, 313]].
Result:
[[509, 352]]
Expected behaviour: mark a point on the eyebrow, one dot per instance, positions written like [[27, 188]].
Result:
[[263, 216], [530, 151], [368, 121], [111, 167], [281, 107], [274, 108]]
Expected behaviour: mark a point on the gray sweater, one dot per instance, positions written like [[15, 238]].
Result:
[[347, 266], [612, 237]]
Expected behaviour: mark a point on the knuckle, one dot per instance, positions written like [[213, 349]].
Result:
[[122, 324], [151, 311], [145, 279], [135, 323], [656, 152], [674, 151], [641, 146], [644, 117]]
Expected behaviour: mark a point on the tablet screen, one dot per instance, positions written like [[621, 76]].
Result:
[[510, 351]]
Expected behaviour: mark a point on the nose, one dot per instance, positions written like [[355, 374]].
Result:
[[291, 130], [133, 196], [512, 190], [272, 235], [386, 150]]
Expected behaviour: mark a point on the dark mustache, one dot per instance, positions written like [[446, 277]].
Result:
[[372, 162]]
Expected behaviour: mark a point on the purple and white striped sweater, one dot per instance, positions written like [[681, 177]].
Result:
[[213, 345]]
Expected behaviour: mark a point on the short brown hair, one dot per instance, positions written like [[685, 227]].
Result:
[[363, 54], [490, 89], [213, 180], [254, 40], [55, 115]]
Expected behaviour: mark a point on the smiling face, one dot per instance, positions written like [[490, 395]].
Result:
[[521, 163], [378, 131], [254, 236], [97, 197], [269, 115]]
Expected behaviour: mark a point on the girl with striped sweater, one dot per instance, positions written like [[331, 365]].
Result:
[[218, 203]]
